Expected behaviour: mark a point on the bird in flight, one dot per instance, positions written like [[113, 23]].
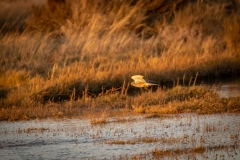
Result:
[[140, 82]]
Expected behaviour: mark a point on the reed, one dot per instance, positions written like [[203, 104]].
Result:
[[173, 152], [101, 109], [67, 50]]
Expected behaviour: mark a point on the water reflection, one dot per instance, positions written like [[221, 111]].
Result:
[[226, 89], [77, 138]]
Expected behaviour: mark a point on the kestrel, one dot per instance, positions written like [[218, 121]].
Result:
[[140, 82]]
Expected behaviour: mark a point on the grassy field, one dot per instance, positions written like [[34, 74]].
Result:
[[68, 56]]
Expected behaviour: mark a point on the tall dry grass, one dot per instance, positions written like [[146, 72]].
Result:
[[13, 14], [88, 47]]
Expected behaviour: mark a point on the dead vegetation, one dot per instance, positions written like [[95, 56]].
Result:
[[133, 141], [184, 100], [173, 152], [101, 109], [157, 153], [59, 51]]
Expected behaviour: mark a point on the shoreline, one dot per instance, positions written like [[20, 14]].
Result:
[[177, 100]]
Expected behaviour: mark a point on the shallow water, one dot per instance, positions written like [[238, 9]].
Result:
[[78, 138], [229, 89], [226, 88]]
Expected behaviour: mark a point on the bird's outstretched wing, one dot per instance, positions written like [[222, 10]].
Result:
[[140, 82], [138, 78]]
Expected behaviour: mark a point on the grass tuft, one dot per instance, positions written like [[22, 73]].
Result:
[[69, 50]]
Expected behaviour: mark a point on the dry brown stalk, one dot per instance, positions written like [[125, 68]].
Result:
[[73, 50]]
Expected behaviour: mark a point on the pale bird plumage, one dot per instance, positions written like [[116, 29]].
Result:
[[140, 82]]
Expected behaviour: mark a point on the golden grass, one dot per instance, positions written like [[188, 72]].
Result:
[[101, 109], [185, 100], [160, 153], [98, 121], [85, 49], [13, 14], [133, 141], [13, 78]]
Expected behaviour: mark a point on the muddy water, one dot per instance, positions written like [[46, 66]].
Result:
[[78, 138]]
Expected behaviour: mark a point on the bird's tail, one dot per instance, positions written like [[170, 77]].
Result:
[[152, 82]]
